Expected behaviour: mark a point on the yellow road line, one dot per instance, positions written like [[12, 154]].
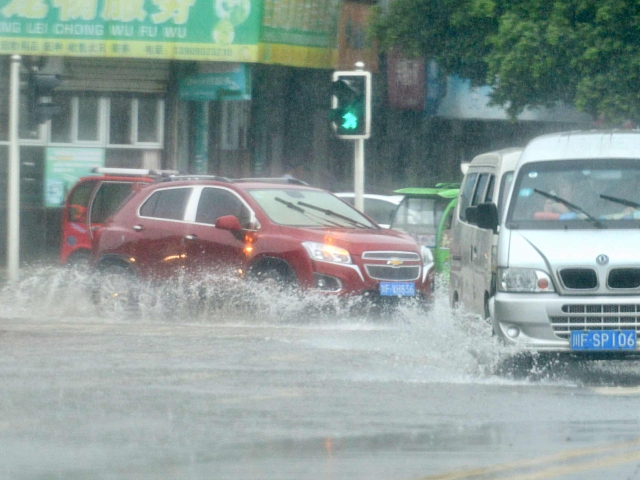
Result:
[[576, 468], [503, 467]]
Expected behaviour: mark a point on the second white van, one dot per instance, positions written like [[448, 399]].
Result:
[[473, 250]]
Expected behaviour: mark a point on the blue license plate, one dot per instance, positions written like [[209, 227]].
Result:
[[397, 289], [603, 340]]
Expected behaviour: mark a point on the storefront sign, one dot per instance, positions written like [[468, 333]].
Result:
[[64, 167], [354, 43], [212, 30], [234, 84], [300, 33]]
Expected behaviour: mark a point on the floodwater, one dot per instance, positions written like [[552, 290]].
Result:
[[252, 384]]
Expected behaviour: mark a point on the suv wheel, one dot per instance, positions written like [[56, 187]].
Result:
[[276, 277], [115, 290]]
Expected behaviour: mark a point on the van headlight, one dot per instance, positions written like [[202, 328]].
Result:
[[327, 253], [524, 280], [427, 256]]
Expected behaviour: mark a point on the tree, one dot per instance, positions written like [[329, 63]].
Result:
[[534, 53]]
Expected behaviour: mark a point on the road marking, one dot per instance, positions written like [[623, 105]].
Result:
[[576, 468], [617, 390], [519, 464]]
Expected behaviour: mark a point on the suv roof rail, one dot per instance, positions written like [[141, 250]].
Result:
[[186, 176], [285, 179], [133, 171]]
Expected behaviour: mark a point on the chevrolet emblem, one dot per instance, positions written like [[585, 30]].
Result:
[[395, 262]]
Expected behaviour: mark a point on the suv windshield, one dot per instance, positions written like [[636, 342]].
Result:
[[291, 207], [576, 194]]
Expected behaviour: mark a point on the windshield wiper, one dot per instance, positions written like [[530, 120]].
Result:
[[331, 213], [293, 206], [621, 201], [572, 206]]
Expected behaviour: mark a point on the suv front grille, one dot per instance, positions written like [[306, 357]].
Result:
[[405, 256], [391, 273], [595, 317], [579, 278], [392, 266]]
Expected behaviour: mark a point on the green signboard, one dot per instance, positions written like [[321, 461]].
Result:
[[212, 30], [233, 84], [64, 167]]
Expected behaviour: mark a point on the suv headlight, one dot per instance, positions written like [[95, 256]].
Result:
[[427, 256], [327, 253], [524, 280]]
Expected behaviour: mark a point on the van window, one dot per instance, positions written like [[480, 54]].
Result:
[[577, 194], [82, 194], [108, 199], [420, 217], [505, 186], [479, 194], [169, 204], [465, 194], [490, 188]]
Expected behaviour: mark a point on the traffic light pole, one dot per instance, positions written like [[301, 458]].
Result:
[[358, 171], [13, 180]]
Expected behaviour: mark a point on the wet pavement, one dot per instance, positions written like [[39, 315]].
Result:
[[292, 388]]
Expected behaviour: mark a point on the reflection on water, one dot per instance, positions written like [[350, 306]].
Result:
[[436, 345]]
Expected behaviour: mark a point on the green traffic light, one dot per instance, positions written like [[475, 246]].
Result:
[[350, 121]]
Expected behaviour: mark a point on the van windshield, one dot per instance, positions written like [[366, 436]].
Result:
[[601, 193]]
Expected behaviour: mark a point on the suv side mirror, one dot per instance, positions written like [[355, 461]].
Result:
[[228, 222], [487, 216]]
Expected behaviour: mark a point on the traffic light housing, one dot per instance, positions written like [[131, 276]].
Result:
[[351, 104], [40, 88]]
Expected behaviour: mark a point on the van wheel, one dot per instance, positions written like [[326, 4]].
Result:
[[487, 313], [455, 302], [115, 290]]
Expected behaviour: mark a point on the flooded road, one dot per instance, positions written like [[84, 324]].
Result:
[[290, 388]]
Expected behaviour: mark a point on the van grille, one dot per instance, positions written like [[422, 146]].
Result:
[[595, 317], [624, 278], [579, 278]]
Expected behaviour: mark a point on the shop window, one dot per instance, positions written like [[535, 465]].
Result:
[[136, 121], [78, 121], [234, 124], [62, 123], [88, 119], [120, 121], [148, 120]]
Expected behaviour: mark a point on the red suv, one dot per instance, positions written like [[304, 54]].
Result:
[[283, 230], [90, 202]]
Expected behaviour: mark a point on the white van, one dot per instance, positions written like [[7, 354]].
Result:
[[472, 276], [568, 258]]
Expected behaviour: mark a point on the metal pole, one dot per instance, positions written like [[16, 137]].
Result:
[[359, 174], [13, 180]]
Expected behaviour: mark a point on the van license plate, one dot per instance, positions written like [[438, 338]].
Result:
[[603, 340], [397, 289]]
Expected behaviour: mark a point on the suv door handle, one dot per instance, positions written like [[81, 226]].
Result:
[[138, 228], [191, 237]]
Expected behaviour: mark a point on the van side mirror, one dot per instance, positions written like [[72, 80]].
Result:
[[471, 215], [228, 222], [487, 216]]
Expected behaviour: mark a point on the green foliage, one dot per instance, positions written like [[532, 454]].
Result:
[[532, 52]]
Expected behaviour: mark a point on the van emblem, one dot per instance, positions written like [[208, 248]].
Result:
[[602, 259], [395, 262]]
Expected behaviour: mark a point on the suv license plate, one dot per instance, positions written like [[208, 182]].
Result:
[[397, 289], [603, 340]]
